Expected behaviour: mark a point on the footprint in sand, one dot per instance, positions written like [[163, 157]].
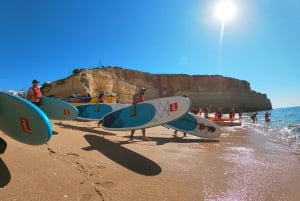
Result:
[[72, 154], [106, 184], [51, 151]]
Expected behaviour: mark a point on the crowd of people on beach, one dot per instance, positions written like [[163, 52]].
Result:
[[218, 114]]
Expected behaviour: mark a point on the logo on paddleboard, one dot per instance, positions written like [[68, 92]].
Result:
[[25, 125], [66, 112], [173, 107]]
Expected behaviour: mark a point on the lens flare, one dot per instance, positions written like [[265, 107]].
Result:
[[225, 10]]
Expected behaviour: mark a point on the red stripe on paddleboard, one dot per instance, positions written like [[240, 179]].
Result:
[[201, 127], [25, 125], [66, 112], [173, 107]]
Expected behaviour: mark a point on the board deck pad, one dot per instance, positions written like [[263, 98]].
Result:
[[195, 125], [58, 109], [93, 112], [148, 114], [23, 121]]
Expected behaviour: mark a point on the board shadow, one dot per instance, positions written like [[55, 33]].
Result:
[[4, 174], [124, 157], [175, 139], [84, 129]]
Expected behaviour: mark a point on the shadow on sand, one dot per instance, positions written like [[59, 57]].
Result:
[[162, 141], [84, 129], [4, 174], [124, 157], [175, 139]]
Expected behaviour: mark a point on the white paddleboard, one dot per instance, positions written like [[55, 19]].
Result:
[[195, 125]]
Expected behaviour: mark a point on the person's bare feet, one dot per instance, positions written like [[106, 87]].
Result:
[[146, 139]]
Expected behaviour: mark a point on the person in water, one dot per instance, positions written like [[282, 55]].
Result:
[[267, 116], [253, 117]]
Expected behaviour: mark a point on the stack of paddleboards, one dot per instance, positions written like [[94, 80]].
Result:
[[171, 112], [29, 124]]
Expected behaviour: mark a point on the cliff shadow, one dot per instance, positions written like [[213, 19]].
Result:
[[84, 129], [4, 174], [124, 157]]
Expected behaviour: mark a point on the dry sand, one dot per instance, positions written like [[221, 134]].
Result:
[[85, 163]]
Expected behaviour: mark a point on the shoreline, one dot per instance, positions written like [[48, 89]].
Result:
[[84, 162]]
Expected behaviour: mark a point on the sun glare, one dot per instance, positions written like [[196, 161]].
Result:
[[225, 10]]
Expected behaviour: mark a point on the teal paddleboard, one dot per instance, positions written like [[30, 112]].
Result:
[[23, 121], [148, 114], [58, 109], [94, 111], [195, 125]]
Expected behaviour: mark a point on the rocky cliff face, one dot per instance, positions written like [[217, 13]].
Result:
[[203, 90]]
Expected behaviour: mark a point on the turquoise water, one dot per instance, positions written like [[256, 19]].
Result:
[[282, 132]]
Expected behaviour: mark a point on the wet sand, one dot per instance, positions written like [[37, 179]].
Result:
[[85, 163]]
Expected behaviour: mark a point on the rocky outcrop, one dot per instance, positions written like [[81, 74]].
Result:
[[204, 90]]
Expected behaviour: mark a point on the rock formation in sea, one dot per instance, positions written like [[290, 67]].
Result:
[[212, 91]]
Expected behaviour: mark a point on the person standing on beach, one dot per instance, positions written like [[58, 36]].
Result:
[[34, 94], [206, 111], [240, 114], [232, 115], [253, 117], [219, 114], [137, 98], [101, 99]]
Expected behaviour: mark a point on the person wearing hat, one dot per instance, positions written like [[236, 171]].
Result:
[[34, 93], [137, 98]]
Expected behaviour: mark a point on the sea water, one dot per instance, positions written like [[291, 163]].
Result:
[[282, 130]]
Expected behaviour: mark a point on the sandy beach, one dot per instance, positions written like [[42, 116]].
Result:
[[84, 163]]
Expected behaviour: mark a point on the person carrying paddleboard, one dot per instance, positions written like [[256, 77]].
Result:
[[101, 99], [137, 98], [34, 94]]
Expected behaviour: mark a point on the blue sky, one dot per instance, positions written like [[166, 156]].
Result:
[[47, 39]]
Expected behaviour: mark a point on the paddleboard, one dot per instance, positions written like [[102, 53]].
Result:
[[148, 114], [94, 111], [195, 125], [58, 109], [23, 121]]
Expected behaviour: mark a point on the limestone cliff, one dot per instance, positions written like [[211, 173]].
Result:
[[204, 91]]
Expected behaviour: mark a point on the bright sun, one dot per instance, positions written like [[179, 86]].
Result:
[[225, 10]]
